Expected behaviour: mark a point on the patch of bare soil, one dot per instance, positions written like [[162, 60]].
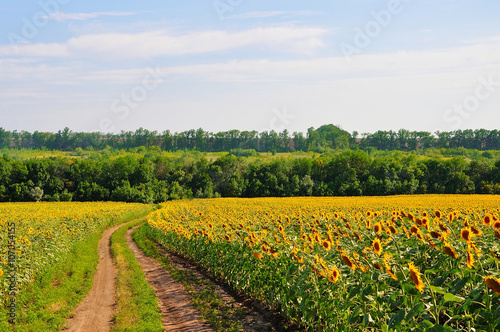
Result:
[[178, 312]]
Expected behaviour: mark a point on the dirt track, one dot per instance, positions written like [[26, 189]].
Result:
[[95, 312]]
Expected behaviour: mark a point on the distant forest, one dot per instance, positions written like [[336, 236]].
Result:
[[322, 139]]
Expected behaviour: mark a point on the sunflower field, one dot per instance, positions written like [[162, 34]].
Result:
[[405, 263], [35, 235]]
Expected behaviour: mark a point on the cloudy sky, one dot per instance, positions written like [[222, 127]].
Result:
[[249, 64]]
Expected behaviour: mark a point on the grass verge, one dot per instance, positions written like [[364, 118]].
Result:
[[45, 304], [202, 292], [137, 306]]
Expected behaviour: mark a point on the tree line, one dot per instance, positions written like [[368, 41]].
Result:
[[153, 177], [320, 140]]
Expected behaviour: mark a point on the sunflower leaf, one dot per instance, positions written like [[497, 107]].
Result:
[[448, 297]]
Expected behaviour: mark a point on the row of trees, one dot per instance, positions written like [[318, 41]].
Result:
[[156, 178], [317, 140]]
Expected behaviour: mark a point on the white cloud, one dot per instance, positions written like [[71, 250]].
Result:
[[60, 16], [159, 43], [467, 59]]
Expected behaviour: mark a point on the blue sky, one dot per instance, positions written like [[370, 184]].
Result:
[[249, 65]]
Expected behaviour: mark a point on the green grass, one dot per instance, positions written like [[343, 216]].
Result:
[[212, 308], [45, 304], [137, 305]]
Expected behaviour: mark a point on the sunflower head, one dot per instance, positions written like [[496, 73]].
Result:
[[415, 277], [470, 259], [465, 234], [348, 261], [450, 251], [493, 284], [327, 245], [259, 256], [435, 234], [496, 225], [487, 219], [377, 246], [334, 275]]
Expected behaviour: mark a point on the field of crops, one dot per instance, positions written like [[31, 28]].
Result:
[[34, 235], [387, 263]]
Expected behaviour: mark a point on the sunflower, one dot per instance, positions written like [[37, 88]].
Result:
[[348, 261], [487, 219], [259, 256], [415, 277], [357, 236], [406, 232], [377, 266], [297, 258], [470, 259], [393, 230], [377, 246], [493, 284], [435, 234], [1, 273], [438, 214], [450, 251], [321, 273], [496, 225], [327, 245], [497, 234], [414, 230], [334, 275], [377, 227], [388, 267], [465, 234], [443, 228]]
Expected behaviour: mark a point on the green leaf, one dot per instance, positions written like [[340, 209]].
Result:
[[418, 308], [409, 288], [459, 285], [355, 315], [439, 328], [448, 297], [437, 289], [396, 320], [425, 324]]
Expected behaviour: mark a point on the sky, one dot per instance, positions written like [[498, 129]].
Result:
[[363, 65]]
